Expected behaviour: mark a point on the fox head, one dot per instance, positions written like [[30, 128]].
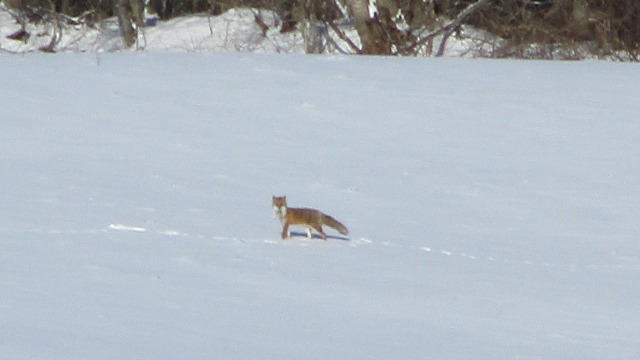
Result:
[[279, 204]]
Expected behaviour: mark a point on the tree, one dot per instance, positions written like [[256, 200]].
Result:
[[130, 13], [368, 28], [400, 30]]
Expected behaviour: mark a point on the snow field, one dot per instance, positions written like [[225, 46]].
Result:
[[491, 205]]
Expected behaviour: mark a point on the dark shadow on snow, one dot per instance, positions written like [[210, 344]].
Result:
[[317, 236]]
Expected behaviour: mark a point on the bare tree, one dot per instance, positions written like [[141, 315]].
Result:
[[368, 28], [130, 13], [310, 27], [399, 30]]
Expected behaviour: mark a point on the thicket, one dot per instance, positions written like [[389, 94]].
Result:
[[522, 28]]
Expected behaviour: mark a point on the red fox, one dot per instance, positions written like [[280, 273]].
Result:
[[309, 218]]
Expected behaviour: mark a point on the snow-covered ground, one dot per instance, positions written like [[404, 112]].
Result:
[[493, 208], [234, 30]]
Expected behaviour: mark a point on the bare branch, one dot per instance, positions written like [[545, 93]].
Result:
[[448, 29], [344, 37]]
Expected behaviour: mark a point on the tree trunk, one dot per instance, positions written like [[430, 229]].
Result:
[[124, 13], [580, 18], [368, 28], [310, 30]]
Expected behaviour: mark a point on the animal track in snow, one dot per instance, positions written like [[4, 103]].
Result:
[[354, 243], [140, 229], [473, 257], [121, 227], [111, 227]]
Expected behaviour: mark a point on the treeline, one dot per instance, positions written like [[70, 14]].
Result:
[[608, 26], [526, 28]]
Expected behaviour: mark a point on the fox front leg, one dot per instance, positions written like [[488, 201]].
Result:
[[285, 231]]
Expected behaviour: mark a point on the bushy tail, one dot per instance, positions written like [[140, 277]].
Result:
[[331, 222]]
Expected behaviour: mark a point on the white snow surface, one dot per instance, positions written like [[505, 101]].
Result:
[[493, 208]]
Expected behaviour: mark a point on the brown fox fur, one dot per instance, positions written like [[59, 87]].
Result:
[[309, 218]]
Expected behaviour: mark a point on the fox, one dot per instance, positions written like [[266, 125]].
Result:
[[309, 218]]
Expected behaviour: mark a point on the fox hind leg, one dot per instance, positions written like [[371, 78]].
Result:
[[318, 228]]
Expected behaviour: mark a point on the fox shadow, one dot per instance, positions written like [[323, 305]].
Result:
[[317, 236]]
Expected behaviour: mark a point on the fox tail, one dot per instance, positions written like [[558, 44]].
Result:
[[331, 222]]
